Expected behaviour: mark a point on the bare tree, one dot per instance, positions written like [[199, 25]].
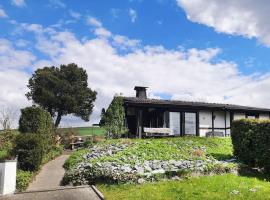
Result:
[[7, 116]]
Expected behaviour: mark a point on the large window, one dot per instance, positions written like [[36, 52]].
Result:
[[175, 126], [190, 123]]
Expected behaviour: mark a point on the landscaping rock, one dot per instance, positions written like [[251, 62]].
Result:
[[141, 181]]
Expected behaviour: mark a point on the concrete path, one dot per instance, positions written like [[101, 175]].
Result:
[[47, 185], [50, 175], [76, 193]]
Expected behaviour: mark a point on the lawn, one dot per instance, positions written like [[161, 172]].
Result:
[[218, 187], [98, 131]]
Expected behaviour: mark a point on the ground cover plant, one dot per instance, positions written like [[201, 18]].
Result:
[[126, 160], [221, 187]]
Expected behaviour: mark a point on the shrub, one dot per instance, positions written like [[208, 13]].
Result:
[[7, 138], [36, 120], [23, 179], [52, 154], [29, 148], [251, 142], [114, 118]]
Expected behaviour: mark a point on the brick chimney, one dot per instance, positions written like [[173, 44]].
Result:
[[141, 92]]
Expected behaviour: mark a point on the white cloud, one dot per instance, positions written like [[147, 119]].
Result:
[[133, 15], [74, 14], [247, 18], [58, 3], [11, 58], [93, 22], [185, 74], [19, 3], [3, 13]]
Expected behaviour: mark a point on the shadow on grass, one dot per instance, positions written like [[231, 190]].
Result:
[[247, 171], [221, 156]]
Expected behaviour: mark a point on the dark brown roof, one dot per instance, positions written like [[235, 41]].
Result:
[[188, 104]]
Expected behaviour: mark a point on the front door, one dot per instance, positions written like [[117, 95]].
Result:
[[190, 123]]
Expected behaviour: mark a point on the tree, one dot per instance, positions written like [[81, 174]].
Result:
[[102, 117], [7, 116], [115, 118], [62, 91]]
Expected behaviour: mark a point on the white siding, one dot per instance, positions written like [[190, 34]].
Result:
[[219, 119], [264, 116]]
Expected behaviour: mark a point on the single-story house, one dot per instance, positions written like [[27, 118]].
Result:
[[156, 117]]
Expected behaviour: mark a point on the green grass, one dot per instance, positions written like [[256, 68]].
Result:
[[218, 187], [98, 131]]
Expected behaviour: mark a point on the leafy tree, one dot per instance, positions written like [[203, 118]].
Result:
[[62, 90], [102, 117], [115, 118]]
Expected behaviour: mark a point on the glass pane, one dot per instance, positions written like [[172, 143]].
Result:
[[190, 123], [175, 123]]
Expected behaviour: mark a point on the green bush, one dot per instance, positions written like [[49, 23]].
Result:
[[37, 120], [29, 148], [23, 179], [52, 154], [114, 118], [251, 142], [7, 138]]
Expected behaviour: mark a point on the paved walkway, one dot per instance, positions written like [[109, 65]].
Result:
[[47, 185], [76, 193], [50, 175]]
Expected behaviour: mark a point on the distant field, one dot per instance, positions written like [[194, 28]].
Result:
[[99, 131]]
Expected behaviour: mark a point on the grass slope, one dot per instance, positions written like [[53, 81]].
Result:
[[218, 187]]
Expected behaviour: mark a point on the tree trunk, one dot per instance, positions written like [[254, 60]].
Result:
[[58, 119]]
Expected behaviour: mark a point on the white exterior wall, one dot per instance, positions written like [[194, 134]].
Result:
[[8, 177], [263, 116], [205, 120], [237, 116]]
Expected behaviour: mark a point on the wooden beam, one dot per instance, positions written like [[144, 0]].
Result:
[[197, 124], [213, 122], [225, 122]]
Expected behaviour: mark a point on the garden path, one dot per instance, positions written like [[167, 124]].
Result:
[[50, 175]]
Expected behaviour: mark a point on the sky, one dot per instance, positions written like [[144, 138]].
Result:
[[196, 50]]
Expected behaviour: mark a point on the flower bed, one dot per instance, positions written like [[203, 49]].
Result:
[[148, 160]]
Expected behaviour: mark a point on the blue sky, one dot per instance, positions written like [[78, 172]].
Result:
[[221, 43], [158, 22]]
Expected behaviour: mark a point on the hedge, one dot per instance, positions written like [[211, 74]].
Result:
[[251, 142], [30, 151], [38, 121], [35, 120]]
